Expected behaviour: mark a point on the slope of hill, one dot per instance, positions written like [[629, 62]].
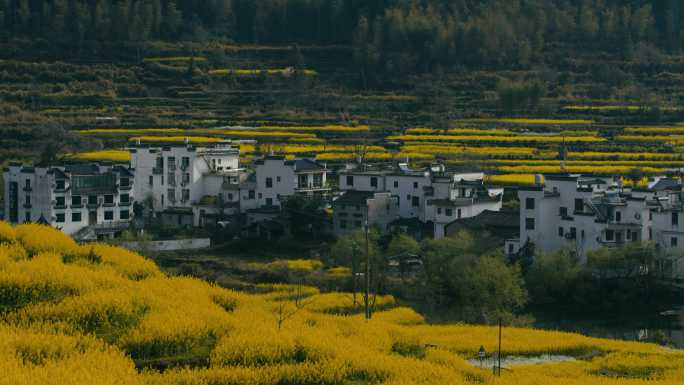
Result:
[[85, 314]]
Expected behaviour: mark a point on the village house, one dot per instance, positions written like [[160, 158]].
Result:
[[356, 209], [431, 196], [582, 214], [88, 201]]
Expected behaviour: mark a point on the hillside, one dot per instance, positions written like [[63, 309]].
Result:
[[99, 314]]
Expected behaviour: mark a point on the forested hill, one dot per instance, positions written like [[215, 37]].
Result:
[[409, 35]]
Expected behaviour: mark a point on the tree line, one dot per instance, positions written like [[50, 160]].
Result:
[[393, 34]]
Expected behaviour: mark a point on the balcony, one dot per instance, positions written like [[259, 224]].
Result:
[[93, 205], [77, 206], [108, 204], [59, 207], [124, 204], [311, 188], [125, 188]]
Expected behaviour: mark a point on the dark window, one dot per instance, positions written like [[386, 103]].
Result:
[[510, 248], [529, 223], [408, 197], [124, 214], [92, 199], [269, 201], [560, 232], [673, 242], [278, 179], [261, 195], [618, 216], [579, 205], [650, 234], [396, 184], [60, 184], [109, 215], [610, 235], [582, 234], [185, 162], [573, 233], [269, 182], [459, 213], [415, 184], [449, 212], [230, 196], [675, 219], [350, 180], [564, 212], [75, 217], [650, 215], [618, 236], [59, 201], [635, 236], [28, 184], [109, 199], [124, 182], [124, 198], [251, 194], [529, 203], [27, 217], [415, 201], [60, 218], [75, 200], [27, 200], [439, 210], [185, 195], [374, 182]]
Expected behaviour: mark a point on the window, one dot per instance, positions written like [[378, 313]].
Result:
[[343, 224], [610, 235], [251, 194], [76, 217], [618, 236], [171, 179], [160, 163], [75, 200], [510, 248], [350, 180], [60, 185], [439, 210], [186, 195], [561, 232], [573, 233], [60, 218], [125, 198], [449, 212], [650, 215], [269, 182], [582, 234], [150, 180], [59, 201], [618, 216], [92, 199], [277, 179], [109, 199], [28, 184], [579, 205], [261, 195], [564, 212], [408, 197], [171, 163], [124, 182], [675, 219], [185, 162], [374, 182], [124, 214], [162, 199], [269, 201], [171, 195], [27, 200], [230, 196], [27, 217], [673, 241], [529, 223], [529, 203], [459, 213], [396, 184], [186, 178], [415, 201], [650, 234], [415, 184], [628, 235], [109, 215], [635, 236]]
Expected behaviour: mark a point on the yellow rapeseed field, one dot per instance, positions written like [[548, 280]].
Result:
[[98, 314], [104, 155], [499, 139]]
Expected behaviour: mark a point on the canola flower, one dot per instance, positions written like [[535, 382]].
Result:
[[174, 59], [531, 121], [581, 169], [259, 72], [460, 131], [176, 139], [625, 155], [89, 314], [511, 179], [655, 130], [104, 155], [499, 139]]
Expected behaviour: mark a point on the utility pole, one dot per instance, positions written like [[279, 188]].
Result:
[[499, 355], [366, 297]]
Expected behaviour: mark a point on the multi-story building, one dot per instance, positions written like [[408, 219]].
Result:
[[183, 182], [430, 196], [276, 178], [584, 214], [354, 209], [88, 201]]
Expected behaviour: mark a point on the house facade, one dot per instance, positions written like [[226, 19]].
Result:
[[276, 178], [354, 209], [584, 214], [94, 200], [432, 196]]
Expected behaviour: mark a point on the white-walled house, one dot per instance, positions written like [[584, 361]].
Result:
[[584, 214], [185, 183], [432, 195], [88, 201], [276, 178]]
